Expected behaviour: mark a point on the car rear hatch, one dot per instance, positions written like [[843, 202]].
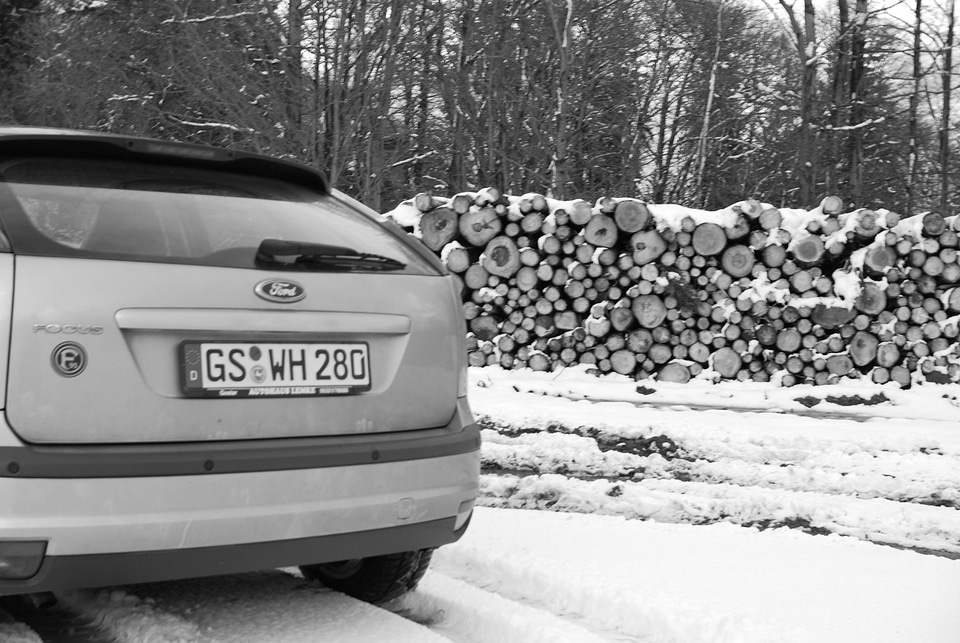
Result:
[[160, 303]]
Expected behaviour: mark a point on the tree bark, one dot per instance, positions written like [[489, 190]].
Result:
[[858, 67], [708, 108], [913, 166], [805, 39], [563, 32], [945, 116]]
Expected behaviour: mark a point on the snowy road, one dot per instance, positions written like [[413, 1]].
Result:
[[890, 480], [752, 521], [280, 606], [539, 577]]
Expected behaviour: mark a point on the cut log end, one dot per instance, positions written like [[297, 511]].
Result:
[[709, 239], [501, 257], [438, 227], [631, 215]]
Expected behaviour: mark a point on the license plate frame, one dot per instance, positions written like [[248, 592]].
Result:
[[226, 369]]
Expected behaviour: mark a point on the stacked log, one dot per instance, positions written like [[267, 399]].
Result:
[[750, 292]]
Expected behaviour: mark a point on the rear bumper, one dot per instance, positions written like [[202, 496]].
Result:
[[154, 528], [59, 573], [295, 504]]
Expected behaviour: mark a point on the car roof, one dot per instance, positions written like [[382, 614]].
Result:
[[34, 141]]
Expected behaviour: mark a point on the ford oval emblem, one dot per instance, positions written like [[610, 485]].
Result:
[[280, 291]]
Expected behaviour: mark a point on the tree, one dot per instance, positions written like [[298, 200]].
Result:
[[805, 39], [946, 76], [701, 102], [15, 19]]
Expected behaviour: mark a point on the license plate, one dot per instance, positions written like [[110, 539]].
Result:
[[281, 369]]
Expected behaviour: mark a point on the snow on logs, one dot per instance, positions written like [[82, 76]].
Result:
[[750, 292]]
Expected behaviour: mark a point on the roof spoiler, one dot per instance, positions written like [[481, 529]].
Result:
[[34, 141]]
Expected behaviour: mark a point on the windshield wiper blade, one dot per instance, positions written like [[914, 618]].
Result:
[[278, 254], [349, 261]]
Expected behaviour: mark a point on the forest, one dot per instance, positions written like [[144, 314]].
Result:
[[695, 102]]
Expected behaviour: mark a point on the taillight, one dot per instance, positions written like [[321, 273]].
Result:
[[455, 286], [20, 559]]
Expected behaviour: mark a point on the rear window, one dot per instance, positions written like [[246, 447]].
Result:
[[144, 212]]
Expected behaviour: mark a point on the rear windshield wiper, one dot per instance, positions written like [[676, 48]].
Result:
[[277, 254]]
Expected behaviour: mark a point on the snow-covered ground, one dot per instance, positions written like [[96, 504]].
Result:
[[688, 513]]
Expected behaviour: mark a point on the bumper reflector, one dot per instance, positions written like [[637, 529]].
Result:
[[20, 559], [463, 512]]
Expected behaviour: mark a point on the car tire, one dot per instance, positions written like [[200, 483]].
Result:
[[377, 579]]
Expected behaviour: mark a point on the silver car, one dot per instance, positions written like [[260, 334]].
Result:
[[214, 363]]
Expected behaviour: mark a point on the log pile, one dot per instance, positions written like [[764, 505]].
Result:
[[750, 292]]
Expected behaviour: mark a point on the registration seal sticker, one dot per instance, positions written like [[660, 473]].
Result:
[[69, 359]]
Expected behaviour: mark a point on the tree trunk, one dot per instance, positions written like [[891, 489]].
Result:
[[708, 108], [563, 33], [913, 166], [295, 63], [841, 93], [806, 41], [945, 123], [858, 67]]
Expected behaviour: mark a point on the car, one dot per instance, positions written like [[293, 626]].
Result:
[[213, 362]]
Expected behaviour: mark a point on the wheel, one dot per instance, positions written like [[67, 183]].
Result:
[[376, 579]]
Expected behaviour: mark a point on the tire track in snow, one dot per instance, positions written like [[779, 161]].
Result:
[[889, 491], [262, 607], [925, 478], [481, 612], [590, 600], [672, 501], [278, 605]]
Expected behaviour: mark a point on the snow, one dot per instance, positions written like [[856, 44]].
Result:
[[405, 214], [18, 633], [615, 510], [260, 607], [717, 583], [669, 216]]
